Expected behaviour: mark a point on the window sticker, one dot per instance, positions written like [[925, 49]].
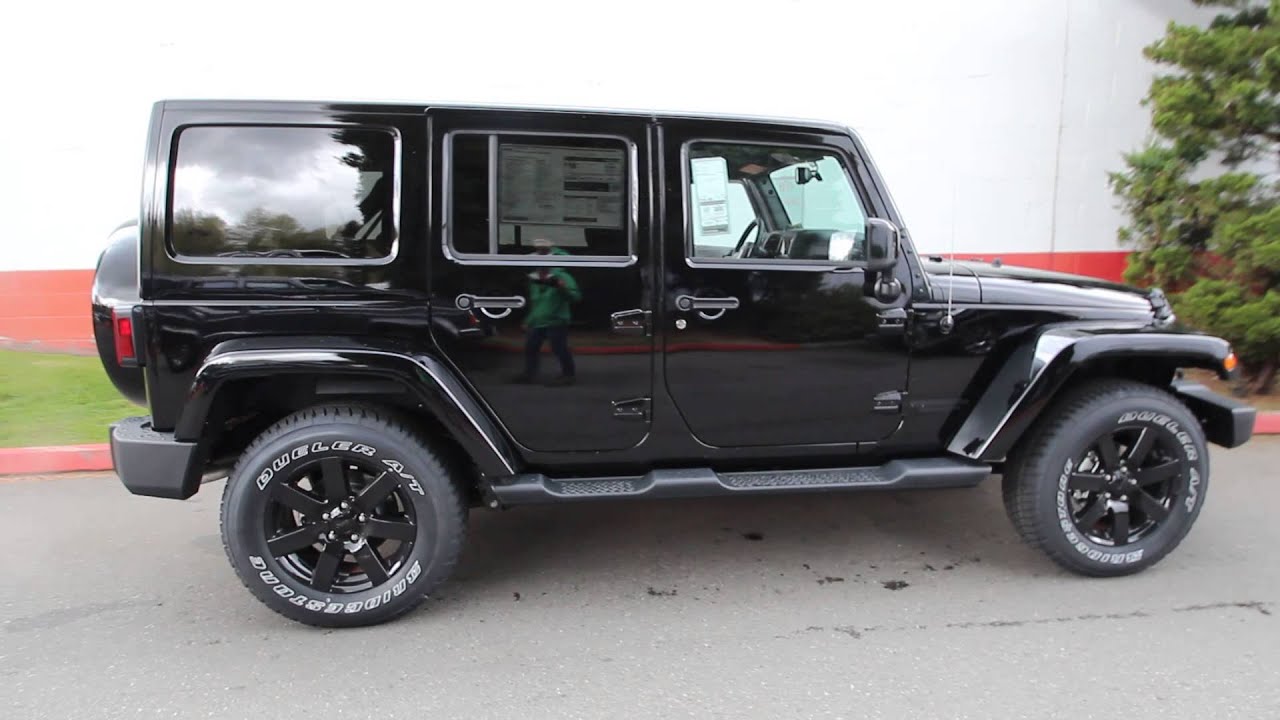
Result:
[[711, 195], [549, 185]]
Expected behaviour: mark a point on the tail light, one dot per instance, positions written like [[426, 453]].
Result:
[[122, 328]]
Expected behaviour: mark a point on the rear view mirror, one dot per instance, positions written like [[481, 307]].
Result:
[[882, 245], [806, 174]]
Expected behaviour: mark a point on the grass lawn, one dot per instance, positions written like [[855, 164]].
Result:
[[50, 399]]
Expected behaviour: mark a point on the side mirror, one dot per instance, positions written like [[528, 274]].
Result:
[[882, 245]]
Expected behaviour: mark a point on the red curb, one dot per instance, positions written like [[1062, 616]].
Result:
[[54, 459], [82, 458], [1268, 423]]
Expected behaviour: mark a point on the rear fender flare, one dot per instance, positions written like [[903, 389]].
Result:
[[436, 388], [1036, 370]]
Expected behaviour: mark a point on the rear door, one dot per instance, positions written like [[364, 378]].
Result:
[[540, 224], [771, 334]]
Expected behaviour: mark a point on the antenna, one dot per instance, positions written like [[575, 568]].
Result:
[[948, 321]]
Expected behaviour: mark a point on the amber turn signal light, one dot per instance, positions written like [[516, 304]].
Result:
[[1229, 362]]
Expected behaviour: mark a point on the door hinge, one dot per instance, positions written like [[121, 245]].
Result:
[[888, 402], [632, 322], [631, 409], [892, 321]]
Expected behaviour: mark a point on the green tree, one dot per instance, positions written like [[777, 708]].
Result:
[[1203, 197]]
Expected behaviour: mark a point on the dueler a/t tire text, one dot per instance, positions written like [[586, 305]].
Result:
[[1110, 480], [342, 516]]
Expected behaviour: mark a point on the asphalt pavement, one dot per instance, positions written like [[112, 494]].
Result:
[[894, 605]]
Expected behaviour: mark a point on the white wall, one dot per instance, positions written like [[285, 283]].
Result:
[[995, 120]]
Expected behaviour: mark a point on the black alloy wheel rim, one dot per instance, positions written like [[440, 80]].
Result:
[[339, 525], [1125, 483]]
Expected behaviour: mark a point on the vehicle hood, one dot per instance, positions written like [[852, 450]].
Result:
[[1000, 284]]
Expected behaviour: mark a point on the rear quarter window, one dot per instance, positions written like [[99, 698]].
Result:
[[283, 193]]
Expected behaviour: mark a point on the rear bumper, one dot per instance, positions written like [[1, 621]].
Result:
[[153, 463], [1226, 422]]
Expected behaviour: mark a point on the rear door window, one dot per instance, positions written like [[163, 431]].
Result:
[[284, 193]]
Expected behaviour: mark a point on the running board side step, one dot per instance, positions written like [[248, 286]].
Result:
[[912, 474]]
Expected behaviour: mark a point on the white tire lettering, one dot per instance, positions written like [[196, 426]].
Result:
[[1193, 489], [342, 445], [257, 563]]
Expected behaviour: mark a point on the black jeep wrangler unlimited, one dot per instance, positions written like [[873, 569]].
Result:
[[371, 318]]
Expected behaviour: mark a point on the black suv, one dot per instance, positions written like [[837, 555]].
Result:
[[371, 318]]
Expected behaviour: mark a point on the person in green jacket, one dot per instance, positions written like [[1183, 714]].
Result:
[[551, 292]]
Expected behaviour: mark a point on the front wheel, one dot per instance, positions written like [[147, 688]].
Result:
[[1111, 480], [341, 516]]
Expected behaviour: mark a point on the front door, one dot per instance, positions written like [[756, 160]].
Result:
[[538, 294], [771, 334]]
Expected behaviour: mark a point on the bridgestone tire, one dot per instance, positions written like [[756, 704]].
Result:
[[1038, 480], [349, 433]]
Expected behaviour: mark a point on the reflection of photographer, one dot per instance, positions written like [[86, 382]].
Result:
[[551, 292]]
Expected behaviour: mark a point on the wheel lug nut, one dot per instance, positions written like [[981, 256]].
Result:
[[362, 517], [355, 537], [324, 516], [345, 504]]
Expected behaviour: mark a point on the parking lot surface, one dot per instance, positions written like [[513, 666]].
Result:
[[894, 605]]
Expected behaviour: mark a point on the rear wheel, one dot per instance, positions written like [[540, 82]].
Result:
[[341, 516], [1111, 480]]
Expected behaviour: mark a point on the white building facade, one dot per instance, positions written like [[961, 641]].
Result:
[[994, 122]]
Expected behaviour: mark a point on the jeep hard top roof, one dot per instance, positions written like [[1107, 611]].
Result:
[[416, 108]]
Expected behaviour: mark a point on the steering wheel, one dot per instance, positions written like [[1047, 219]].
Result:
[[743, 240]]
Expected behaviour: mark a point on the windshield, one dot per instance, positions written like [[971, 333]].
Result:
[[817, 194]]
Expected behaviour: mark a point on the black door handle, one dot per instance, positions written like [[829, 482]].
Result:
[[689, 302], [716, 305], [485, 304]]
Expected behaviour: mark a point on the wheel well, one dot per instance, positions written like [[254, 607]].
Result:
[[245, 407], [1157, 372], [1152, 371]]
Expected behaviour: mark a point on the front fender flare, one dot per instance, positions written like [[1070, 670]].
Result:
[[432, 384], [1036, 370]]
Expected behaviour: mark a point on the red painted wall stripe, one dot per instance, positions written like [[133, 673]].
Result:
[[51, 307], [47, 307], [1106, 265]]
